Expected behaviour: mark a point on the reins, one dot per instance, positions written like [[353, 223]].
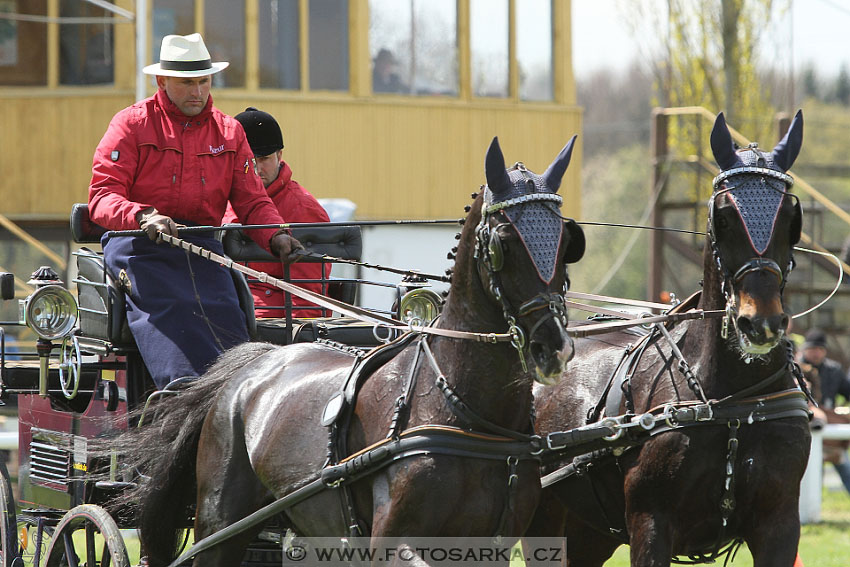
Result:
[[353, 311]]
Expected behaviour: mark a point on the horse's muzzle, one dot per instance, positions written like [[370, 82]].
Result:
[[551, 348], [760, 320]]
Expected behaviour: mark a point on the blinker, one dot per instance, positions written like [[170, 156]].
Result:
[[497, 254]]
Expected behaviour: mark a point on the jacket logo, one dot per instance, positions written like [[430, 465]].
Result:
[[217, 149]]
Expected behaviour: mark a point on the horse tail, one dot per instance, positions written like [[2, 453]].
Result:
[[165, 451]]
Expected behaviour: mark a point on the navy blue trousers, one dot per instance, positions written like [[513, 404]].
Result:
[[182, 309]]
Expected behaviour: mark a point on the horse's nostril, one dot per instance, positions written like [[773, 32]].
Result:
[[745, 325], [784, 322], [539, 350]]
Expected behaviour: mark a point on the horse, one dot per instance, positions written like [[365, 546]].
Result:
[[265, 421], [731, 471]]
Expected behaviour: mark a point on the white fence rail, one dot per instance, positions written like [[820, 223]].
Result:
[[812, 485]]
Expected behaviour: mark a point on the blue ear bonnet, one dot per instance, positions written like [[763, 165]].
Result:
[[537, 221], [756, 187]]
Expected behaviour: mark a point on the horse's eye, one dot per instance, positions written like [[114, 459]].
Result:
[[721, 223]]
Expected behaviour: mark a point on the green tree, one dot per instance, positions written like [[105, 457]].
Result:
[[712, 59]]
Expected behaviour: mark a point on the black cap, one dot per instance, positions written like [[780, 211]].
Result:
[[262, 130], [815, 338]]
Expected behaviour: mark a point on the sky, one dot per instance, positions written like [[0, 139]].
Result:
[[817, 33]]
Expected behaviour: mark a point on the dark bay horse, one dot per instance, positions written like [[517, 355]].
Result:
[[259, 424], [735, 474]]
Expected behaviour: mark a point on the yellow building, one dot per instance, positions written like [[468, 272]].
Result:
[[407, 145]]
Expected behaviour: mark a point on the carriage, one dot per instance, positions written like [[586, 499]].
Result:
[[85, 380]]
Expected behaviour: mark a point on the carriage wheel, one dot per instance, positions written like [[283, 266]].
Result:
[[87, 536], [8, 522]]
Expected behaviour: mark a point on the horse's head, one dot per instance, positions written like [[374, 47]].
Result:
[[523, 247], [753, 224]]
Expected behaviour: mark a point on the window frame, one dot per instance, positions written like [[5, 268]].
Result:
[[359, 59]]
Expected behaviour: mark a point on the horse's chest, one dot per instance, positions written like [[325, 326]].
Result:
[[707, 467]]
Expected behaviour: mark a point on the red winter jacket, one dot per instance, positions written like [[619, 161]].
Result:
[[296, 204], [153, 155]]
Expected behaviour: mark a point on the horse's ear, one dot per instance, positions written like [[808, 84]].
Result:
[[577, 244], [494, 168], [787, 150], [722, 145], [555, 172]]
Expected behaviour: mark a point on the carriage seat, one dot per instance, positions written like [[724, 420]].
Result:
[[101, 297], [99, 294], [337, 241]]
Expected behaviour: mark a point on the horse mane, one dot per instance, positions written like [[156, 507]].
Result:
[[457, 308]]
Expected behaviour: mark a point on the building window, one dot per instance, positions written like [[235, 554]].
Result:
[[328, 45], [23, 45], [171, 17], [489, 48], [414, 46], [224, 36], [280, 62], [534, 49], [85, 49]]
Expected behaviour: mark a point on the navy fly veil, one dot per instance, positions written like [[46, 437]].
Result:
[[755, 181], [533, 211], [756, 189]]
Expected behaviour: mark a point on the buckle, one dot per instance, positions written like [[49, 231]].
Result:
[[703, 412], [552, 446]]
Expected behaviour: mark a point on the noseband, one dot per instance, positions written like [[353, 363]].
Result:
[[759, 220], [490, 256]]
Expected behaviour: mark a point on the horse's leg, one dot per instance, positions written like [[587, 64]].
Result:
[[773, 542], [549, 520], [650, 540], [228, 490]]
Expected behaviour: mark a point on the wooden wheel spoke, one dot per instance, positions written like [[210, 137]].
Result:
[[106, 556], [91, 560], [70, 554]]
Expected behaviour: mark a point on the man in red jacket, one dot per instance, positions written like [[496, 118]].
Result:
[[293, 202], [168, 160]]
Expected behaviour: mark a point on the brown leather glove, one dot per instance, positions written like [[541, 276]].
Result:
[[154, 223], [283, 246]]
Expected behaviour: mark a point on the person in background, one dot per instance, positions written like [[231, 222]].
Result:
[[293, 202], [828, 381], [168, 160], [385, 78]]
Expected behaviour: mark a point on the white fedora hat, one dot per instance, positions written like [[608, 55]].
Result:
[[184, 56]]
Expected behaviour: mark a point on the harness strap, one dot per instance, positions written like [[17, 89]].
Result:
[[595, 412], [463, 411], [624, 375], [619, 434]]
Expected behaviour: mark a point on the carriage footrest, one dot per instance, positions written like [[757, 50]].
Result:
[[113, 485]]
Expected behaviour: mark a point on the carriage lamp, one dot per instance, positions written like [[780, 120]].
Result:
[[51, 312], [419, 306]]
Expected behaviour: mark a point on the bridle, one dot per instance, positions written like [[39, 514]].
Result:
[[490, 256], [757, 263]]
